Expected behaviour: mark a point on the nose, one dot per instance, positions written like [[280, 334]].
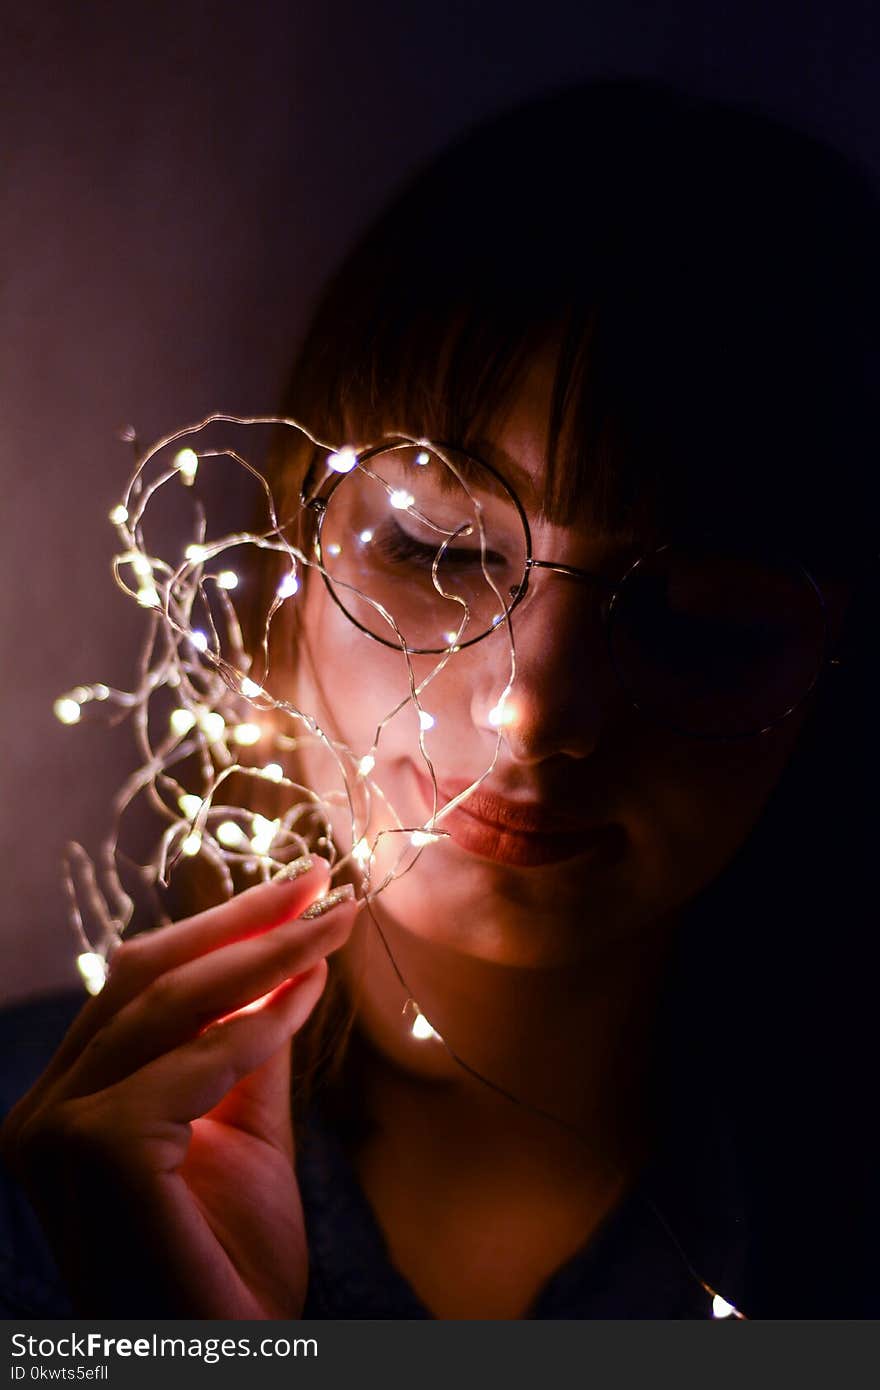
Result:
[[564, 690]]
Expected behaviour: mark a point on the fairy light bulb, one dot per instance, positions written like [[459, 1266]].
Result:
[[423, 458], [273, 772], [421, 1028], [67, 710], [196, 553], [426, 720], [101, 692], [361, 853], [420, 838], [181, 721], [502, 714], [186, 461], [250, 688], [199, 639], [93, 969], [722, 1309], [148, 596], [264, 833], [343, 461], [227, 579], [191, 844], [247, 734], [400, 499], [366, 764], [213, 726], [190, 804], [231, 835], [141, 566], [288, 586], [119, 515], [365, 537]]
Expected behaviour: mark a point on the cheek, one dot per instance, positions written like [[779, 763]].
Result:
[[695, 803], [357, 689]]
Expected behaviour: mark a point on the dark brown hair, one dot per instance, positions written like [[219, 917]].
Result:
[[710, 279]]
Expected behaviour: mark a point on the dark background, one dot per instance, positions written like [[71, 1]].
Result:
[[177, 179]]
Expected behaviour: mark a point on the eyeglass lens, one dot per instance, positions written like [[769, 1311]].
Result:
[[428, 549]]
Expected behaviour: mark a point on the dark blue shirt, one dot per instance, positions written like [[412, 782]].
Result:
[[631, 1267]]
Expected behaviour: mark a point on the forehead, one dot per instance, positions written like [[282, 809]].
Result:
[[515, 443]]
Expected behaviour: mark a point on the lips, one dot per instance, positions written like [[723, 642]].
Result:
[[523, 833]]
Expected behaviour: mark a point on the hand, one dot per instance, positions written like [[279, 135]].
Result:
[[157, 1146]]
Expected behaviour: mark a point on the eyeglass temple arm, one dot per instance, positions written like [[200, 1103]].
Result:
[[572, 570]]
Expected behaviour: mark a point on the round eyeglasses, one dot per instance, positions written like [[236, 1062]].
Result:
[[428, 550]]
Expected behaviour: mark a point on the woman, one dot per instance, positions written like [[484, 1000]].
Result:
[[645, 324]]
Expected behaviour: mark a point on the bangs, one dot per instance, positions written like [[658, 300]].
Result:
[[451, 382], [712, 367]]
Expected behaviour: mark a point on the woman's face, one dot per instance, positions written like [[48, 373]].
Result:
[[593, 823]]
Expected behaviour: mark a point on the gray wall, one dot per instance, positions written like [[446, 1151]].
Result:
[[176, 181]]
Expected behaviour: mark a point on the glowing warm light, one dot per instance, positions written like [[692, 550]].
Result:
[[190, 804], [273, 772], [288, 586], [401, 499], [423, 837], [264, 833], [343, 461], [366, 537], [191, 844], [227, 579], [231, 835], [93, 969], [181, 721], [334, 549], [422, 457], [246, 734], [196, 553], [148, 597], [422, 1029], [497, 618], [366, 765], [361, 853], [721, 1308], [141, 566], [101, 692], [450, 638], [119, 515], [187, 463], [501, 715], [67, 710], [199, 639], [213, 726], [426, 720], [250, 688]]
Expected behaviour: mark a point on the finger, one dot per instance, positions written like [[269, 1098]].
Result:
[[144, 957], [183, 1002], [154, 1106], [260, 1103]]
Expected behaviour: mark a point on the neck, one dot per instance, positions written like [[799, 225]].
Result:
[[571, 1044]]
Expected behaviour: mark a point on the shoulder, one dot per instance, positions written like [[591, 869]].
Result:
[[30, 1285]]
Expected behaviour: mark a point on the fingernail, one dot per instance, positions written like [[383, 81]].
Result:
[[295, 869], [343, 894]]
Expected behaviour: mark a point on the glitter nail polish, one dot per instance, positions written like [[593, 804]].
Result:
[[343, 894], [295, 869]]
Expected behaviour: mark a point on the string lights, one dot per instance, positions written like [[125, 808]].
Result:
[[196, 710], [208, 733]]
